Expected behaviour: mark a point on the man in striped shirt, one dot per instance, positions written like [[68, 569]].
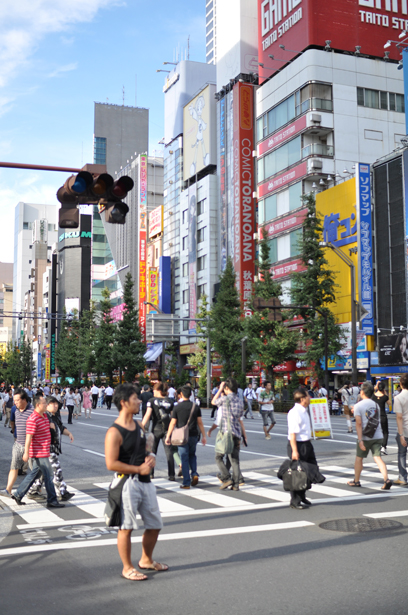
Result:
[[37, 447]]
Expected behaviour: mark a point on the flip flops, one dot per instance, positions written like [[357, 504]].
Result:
[[134, 575]]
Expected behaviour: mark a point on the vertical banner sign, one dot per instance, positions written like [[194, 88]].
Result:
[[320, 418], [405, 179], [153, 285], [230, 173], [223, 188], [192, 256], [39, 367], [405, 71], [142, 244], [365, 246], [47, 363], [244, 183]]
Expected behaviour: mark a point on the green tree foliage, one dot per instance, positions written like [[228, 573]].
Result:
[[227, 325], [199, 359], [105, 338], [129, 349], [67, 355], [14, 372], [270, 342], [315, 287], [26, 358], [87, 333]]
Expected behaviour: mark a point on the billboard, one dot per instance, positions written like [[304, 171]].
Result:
[[47, 363], [199, 139], [393, 349], [244, 186], [285, 223], [346, 24], [223, 187], [165, 284], [365, 246], [156, 221], [337, 209], [192, 255], [153, 288], [142, 203]]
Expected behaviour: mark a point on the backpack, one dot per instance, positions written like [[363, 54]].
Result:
[[373, 416]]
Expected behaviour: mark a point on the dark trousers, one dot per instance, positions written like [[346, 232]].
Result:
[[234, 459], [108, 400], [70, 411], [306, 453], [94, 401], [384, 427], [168, 449]]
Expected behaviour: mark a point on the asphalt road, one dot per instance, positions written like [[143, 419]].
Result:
[[238, 551]]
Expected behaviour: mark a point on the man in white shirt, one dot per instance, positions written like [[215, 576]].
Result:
[[108, 396], [250, 397], [94, 393], [401, 411], [300, 446], [171, 392]]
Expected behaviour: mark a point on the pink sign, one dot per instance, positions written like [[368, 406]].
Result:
[[282, 180], [281, 271], [282, 136], [284, 224], [117, 312]]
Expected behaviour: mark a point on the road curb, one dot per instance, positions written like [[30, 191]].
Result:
[[6, 521]]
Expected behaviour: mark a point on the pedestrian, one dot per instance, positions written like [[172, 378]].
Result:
[[87, 404], [348, 398], [265, 400], [401, 412], [171, 392], [37, 448], [187, 412], [370, 435], [46, 390], [299, 445], [382, 399], [94, 393], [213, 393], [24, 409], [322, 392], [159, 409], [69, 403], [77, 404], [101, 396], [125, 441], [108, 396], [250, 397], [230, 411], [57, 430], [8, 403]]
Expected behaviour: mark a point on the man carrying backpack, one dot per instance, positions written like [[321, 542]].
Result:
[[159, 409]]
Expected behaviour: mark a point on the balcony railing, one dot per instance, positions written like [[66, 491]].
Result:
[[317, 149], [314, 103]]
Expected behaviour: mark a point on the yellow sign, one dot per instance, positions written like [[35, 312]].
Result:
[[337, 209], [197, 134], [189, 348], [320, 418], [153, 285]]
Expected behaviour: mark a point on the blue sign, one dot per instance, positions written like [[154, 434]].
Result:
[[332, 223], [389, 369], [39, 371], [165, 284], [365, 244]]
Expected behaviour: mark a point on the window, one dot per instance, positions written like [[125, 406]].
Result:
[[377, 99], [185, 216], [273, 250], [185, 243], [280, 159], [295, 194], [185, 296], [200, 207], [1, 299], [201, 291], [200, 235], [295, 239], [1, 321], [201, 263], [186, 325], [185, 270], [99, 150], [27, 226]]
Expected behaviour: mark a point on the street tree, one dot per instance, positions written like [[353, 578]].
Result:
[[67, 356], [316, 288], [269, 341], [14, 372], [129, 349], [87, 335], [199, 359], [105, 338], [226, 325], [26, 358]]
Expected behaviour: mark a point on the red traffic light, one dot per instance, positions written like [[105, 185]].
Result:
[[122, 186]]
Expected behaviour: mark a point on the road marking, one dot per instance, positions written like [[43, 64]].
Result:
[[163, 537], [217, 499], [92, 506], [98, 426], [386, 515], [32, 513], [93, 452]]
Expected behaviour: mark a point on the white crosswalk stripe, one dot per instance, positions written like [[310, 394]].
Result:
[[261, 490]]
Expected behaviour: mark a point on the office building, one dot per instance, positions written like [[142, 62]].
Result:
[[6, 304]]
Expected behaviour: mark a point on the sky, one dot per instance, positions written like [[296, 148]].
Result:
[[58, 57]]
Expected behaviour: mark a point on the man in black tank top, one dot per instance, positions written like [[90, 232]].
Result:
[[127, 452]]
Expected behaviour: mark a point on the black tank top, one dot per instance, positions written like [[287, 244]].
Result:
[[127, 448]]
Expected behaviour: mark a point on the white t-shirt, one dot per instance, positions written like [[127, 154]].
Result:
[[323, 392], [259, 391], [363, 409], [171, 392], [353, 393], [250, 393], [108, 391], [299, 423], [401, 407], [94, 390]]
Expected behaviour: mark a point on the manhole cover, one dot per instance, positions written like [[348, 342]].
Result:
[[360, 525]]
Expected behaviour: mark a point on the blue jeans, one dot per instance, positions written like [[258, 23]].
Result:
[[41, 465], [188, 460], [249, 409], [402, 459]]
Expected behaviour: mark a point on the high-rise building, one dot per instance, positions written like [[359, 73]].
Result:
[[211, 32], [25, 254], [6, 304]]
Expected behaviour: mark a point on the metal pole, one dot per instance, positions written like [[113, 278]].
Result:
[[354, 375], [405, 71], [208, 369], [162, 360], [326, 358]]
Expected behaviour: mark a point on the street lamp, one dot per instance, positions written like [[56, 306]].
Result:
[[156, 307], [346, 259]]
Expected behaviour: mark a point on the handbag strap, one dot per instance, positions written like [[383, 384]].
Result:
[[191, 414], [227, 403]]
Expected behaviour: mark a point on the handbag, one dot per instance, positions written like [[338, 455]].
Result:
[[295, 478], [224, 442], [180, 435], [112, 512]]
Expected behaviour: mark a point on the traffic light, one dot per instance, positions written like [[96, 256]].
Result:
[[93, 188], [273, 306]]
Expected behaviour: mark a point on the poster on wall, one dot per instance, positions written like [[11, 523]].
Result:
[[142, 204], [223, 187], [365, 246], [198, 147], [393, 349], [192, 256]]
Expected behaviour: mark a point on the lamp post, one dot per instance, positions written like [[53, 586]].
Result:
[[159, 311], [346, 259]]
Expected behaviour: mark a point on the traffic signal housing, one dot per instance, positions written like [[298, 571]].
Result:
[[112, 204], [273, 306]]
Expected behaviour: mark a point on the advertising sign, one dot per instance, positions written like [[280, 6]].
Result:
[[286, 223], [165, 284], [117, 312], [244, 185], [298, 24], [198, 140], [282, 180], [223, 189], [288, 268], [192, 255], [365, 246], [39, 366], [393, 349], [142, 202], [282, 136], [156, 221], [47, 363], [320, 418], [153, 288]]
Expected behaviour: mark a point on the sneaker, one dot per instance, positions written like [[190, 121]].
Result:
[[67, 496], [18, 500], [226, 484], [350, 430], [184, 486], [267, 437], [35, 496], [171, 478], [55, 505], [383, 451], [194, 481], [400, 481], [5, 493]]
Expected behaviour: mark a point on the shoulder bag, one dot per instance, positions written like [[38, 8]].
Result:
[[180, 435], [224, 442], [113, 504]]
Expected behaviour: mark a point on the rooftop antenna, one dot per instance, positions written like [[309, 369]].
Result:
[[123, 95], [135, 90], [188, 47]]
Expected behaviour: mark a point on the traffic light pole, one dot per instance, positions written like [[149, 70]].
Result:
[[37, 167]]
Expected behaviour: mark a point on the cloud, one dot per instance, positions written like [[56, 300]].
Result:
[[23, 24], [63, 69]]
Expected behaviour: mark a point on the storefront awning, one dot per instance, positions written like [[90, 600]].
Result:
[[154, 351]]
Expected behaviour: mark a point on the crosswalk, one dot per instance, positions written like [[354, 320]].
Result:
[[262, 490]]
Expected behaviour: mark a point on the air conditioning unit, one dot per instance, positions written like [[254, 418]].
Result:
[[316, 118], [315, 164]]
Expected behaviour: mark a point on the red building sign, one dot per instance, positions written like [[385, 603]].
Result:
[[282, 136], [279, 181], [286, 223]]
